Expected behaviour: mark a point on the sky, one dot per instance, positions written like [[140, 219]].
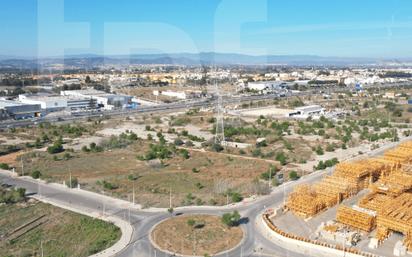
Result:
[[350, 28]]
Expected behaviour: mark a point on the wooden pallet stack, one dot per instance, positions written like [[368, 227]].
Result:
[[305, 202], [356, 219], [360, 174], [373, 201], [396, 216], [394, 184], [382, 175], [400, 155]]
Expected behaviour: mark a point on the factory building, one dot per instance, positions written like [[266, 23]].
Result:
[[3, 114], [104, 100], [307, 111], [267, 86], [179, 94], [52, 103], [18, 111]]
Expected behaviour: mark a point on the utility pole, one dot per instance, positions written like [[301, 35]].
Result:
[[170, 198], [22, 166], [133, 197], [70, 179], [270, 176], [41, 247]]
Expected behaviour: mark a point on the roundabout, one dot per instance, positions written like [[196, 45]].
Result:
[[195, 235]]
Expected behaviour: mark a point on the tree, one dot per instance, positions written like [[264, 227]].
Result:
[[280, 157], [57, 147], [36, 174], [217, 147], [319, 150], [231, 219], [4, 166], [293, 175], [235, 196]]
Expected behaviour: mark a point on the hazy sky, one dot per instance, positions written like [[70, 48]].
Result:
[[355, 28]]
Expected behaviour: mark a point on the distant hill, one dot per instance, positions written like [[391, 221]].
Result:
[[204, 58]]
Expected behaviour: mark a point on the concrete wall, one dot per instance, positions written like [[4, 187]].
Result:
[[306, 248]]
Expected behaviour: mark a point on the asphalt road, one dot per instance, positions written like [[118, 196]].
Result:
[[254, 243], [147, 109]]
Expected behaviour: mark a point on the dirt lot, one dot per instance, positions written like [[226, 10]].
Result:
[[214, 174], [61, 232], [177, 236]]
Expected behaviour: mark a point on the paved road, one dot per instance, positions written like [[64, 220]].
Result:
[[254, 244], [143, 220]]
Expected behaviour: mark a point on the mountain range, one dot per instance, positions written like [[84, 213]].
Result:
[[204, 58]]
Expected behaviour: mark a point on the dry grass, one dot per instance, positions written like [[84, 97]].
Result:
[[177, 236], [63, 234], [152, 184]]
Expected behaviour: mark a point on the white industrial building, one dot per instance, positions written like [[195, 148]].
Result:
[[17, 110], [51, 103], [267, 86], [304, 112], [105, 100], [178, 94]]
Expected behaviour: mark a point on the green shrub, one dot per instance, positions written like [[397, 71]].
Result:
[[36, 174], [293, 175], [4, 166], [231, 219]]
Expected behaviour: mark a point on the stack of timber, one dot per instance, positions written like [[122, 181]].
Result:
[[358, 219]]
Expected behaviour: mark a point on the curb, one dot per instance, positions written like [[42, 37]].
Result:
[[182, 255]]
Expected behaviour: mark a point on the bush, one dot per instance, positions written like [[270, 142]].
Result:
[[4, 166], [269, 174], [132, 177], [319, 150], [293, 175], [231, 219], [57, 147], [178, 142], [185, 153], [109, 186], [36, 174], [281, 157], [12, 196], [235, 196], [72, 183], [217, 147]]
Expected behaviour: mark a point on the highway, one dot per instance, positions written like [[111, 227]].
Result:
[[147, 109]]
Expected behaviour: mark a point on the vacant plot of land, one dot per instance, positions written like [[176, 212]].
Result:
[[62, 233], [196, 235], [206, 176]]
